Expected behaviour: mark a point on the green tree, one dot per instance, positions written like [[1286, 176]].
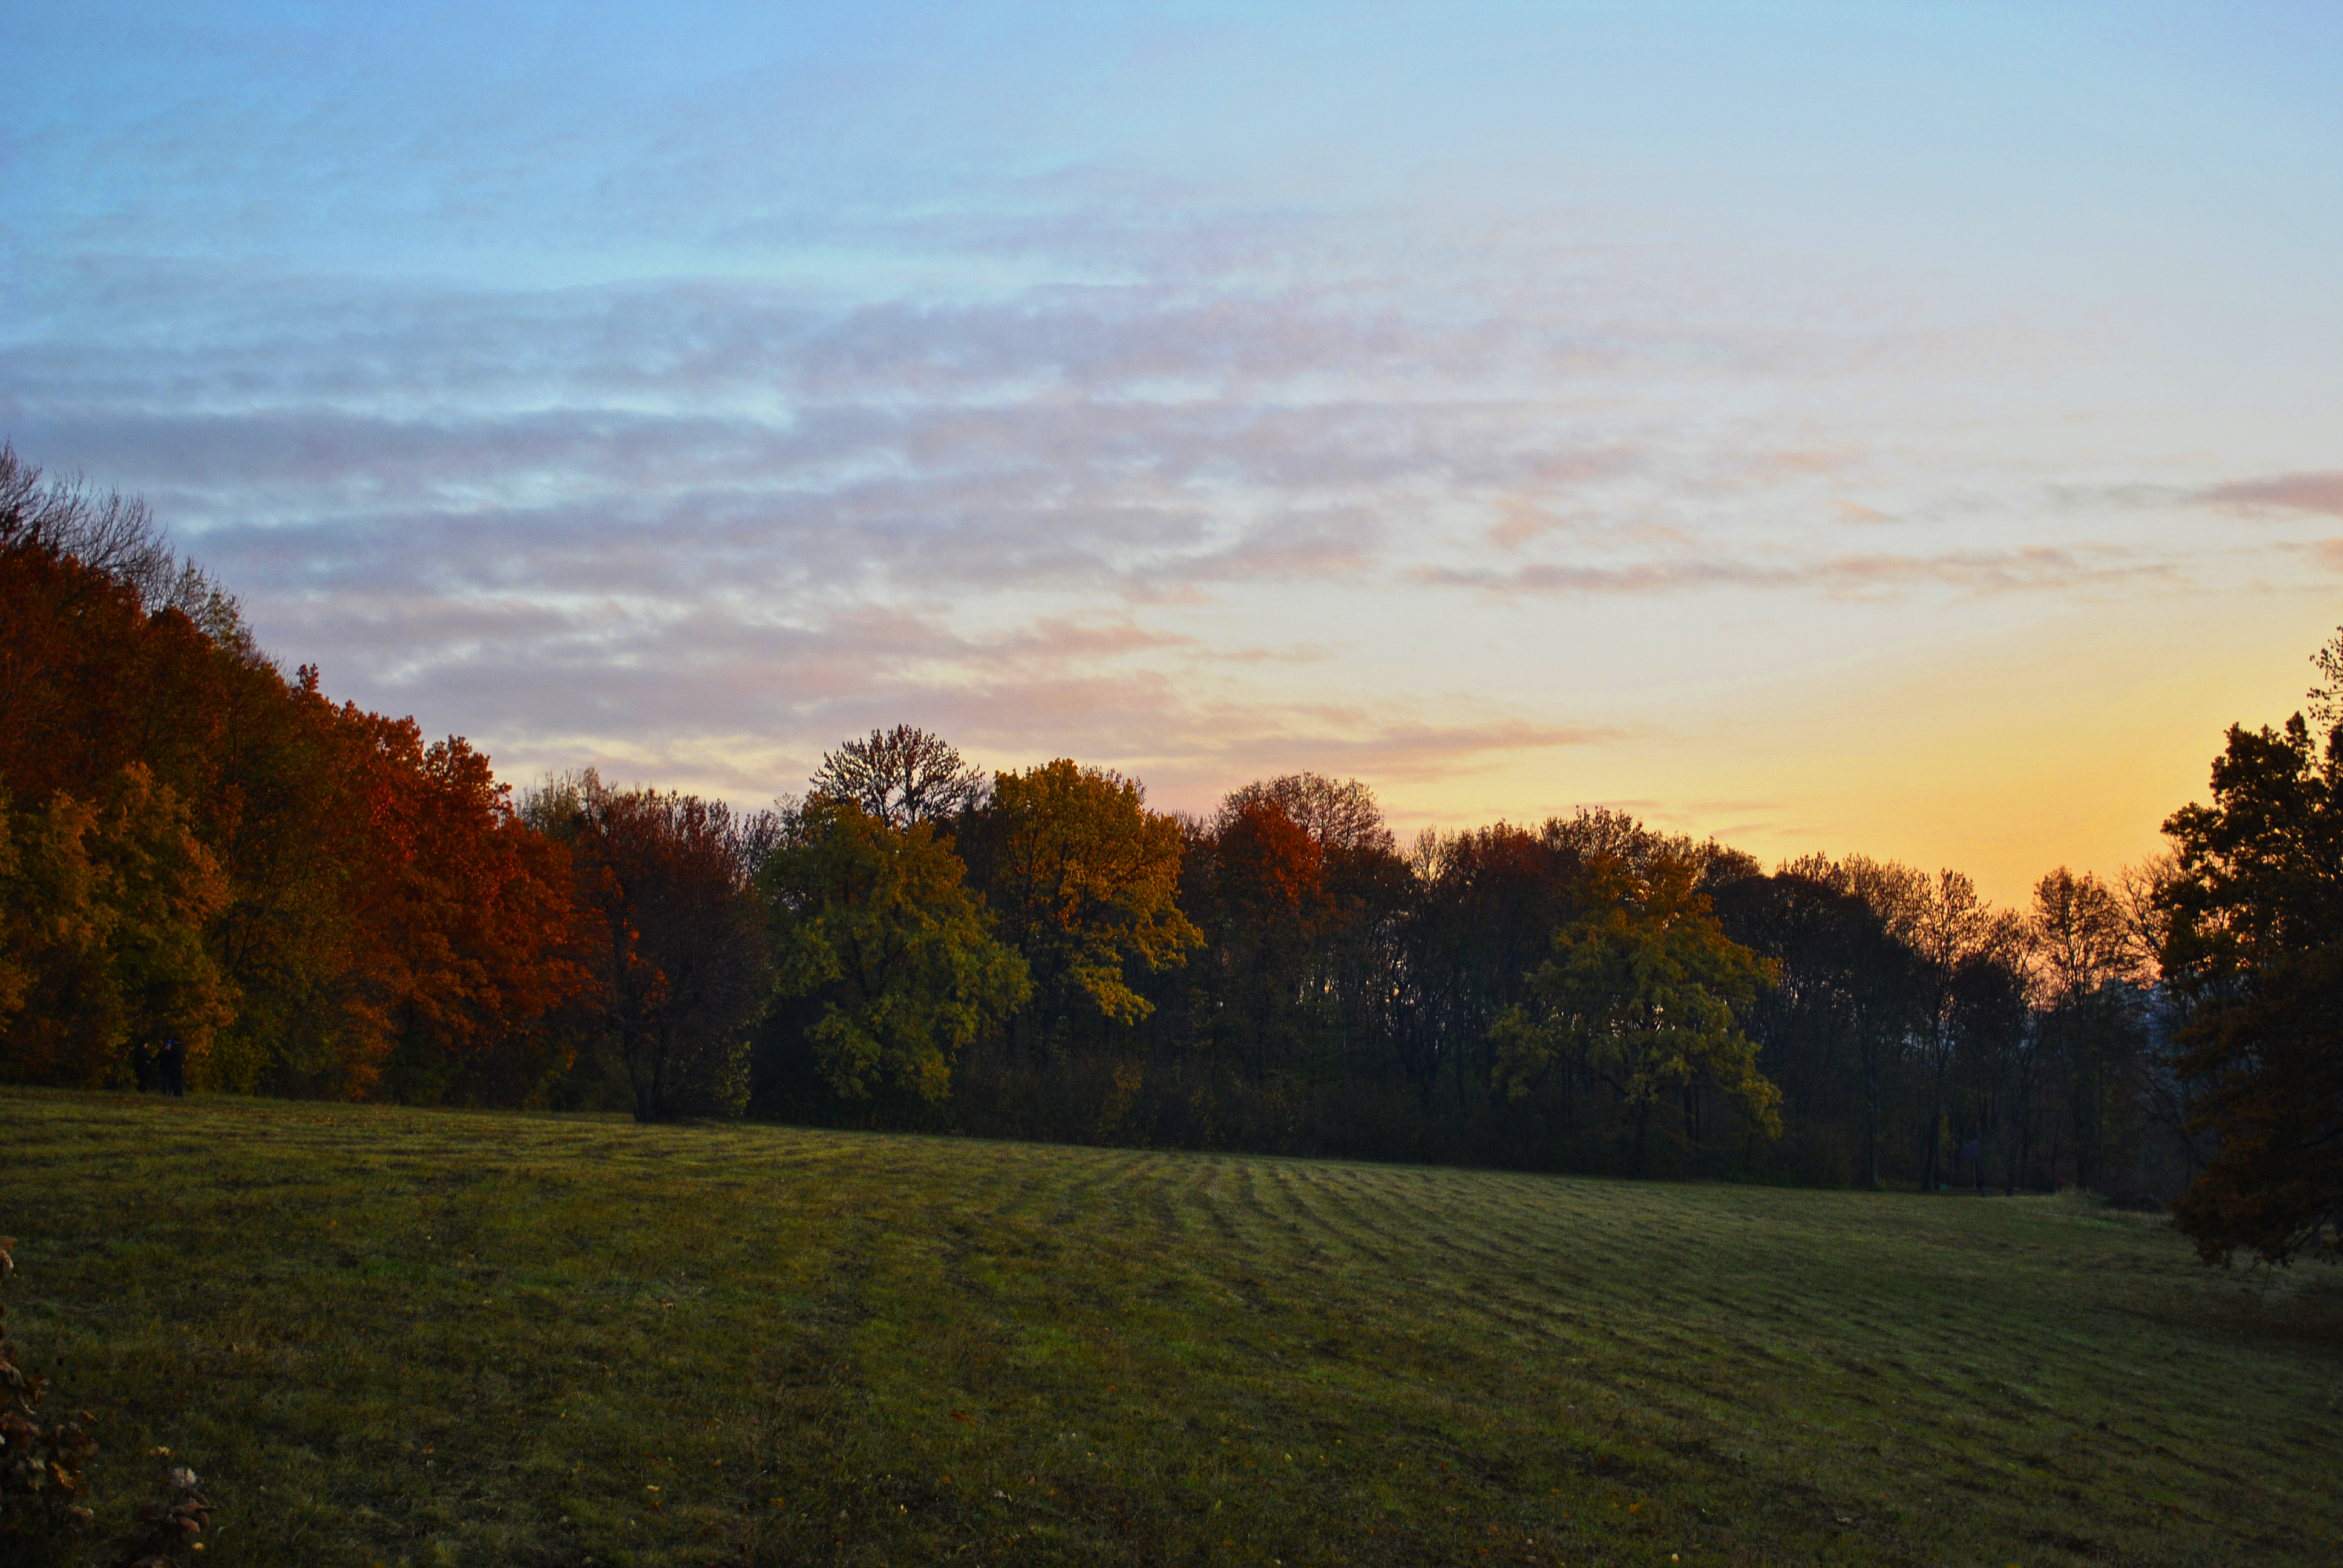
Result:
[[875, 922], [1643, 991]]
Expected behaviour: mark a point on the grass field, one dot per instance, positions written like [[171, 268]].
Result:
[[390, 1337]]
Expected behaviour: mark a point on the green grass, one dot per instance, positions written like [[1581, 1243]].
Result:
[[391, 1336]]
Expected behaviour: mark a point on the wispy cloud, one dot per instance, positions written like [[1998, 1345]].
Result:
[[2034, 568], [2313, 492]]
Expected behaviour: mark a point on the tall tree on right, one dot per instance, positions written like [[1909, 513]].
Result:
[[2255, 947]]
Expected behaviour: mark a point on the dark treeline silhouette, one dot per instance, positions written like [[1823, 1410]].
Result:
[[312, 901]]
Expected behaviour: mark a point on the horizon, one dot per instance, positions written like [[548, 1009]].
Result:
[[1866, 430]]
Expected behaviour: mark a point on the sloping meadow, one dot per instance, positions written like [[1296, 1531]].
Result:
[[390, 1336]]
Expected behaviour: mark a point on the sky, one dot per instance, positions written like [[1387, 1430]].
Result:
[[1906, 429]]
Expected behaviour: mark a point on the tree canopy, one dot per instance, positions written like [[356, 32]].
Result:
[[1083, 879], [875, 920]]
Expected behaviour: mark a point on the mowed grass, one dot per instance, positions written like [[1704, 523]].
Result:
[[390, 1336]]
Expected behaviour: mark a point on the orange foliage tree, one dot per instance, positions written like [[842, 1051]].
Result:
[[310, 898], [671, 932], [1256, 879]]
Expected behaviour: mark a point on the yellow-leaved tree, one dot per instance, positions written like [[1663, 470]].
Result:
[[102, 908], [1082, 879]]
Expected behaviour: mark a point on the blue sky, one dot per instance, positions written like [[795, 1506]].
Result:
[[1911, 430]]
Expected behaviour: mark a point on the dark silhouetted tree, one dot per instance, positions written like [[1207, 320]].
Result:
[[1823, 942], [901, 776], [2082, 943], [2255, 947], [1950, 925]]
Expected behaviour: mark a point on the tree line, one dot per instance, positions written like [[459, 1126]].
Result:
[[316, 901]]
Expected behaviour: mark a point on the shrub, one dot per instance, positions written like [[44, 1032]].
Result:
[[44, 1487], [42, 1484]]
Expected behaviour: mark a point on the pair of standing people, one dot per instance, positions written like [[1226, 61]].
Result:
[[163, 1071]]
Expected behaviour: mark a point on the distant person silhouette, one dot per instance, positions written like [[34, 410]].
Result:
[[172, 1060], [142, 1062]]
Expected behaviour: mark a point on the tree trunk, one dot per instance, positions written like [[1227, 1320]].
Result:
[[1871, 1131]]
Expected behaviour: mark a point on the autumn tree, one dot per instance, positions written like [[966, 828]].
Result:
[[302, 932], [1258, 881], [1358, 964], [1082, 880], [467, 915], [901, 776], [1645, 992], [1340, 816], [681, 951], [54, 922], [873, 921]]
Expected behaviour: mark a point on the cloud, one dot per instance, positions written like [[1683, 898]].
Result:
[[1417, 750], [743, 707], [2309, 492], [2032, 569]]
